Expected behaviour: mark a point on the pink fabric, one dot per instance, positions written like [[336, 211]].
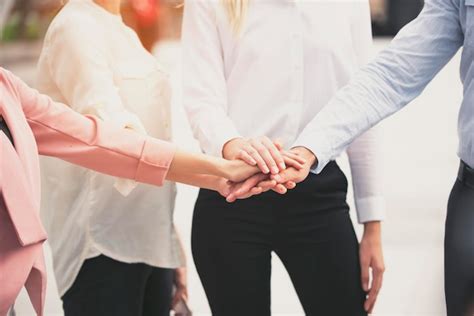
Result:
[[39, 125]]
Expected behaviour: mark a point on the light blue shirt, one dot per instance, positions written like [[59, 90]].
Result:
[[397, 76]]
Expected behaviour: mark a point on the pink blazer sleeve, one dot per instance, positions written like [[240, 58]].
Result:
[[89, 142]]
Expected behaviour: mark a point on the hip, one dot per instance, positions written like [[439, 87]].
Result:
[[318, 195]]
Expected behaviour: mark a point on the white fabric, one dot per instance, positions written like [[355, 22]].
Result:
[[288, 61], [94, 63]]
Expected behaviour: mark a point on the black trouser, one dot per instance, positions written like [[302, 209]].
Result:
[[459, 247], [106, 287], [308, 228]]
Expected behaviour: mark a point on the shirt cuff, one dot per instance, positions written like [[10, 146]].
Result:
[[123, 119], [319, 145], [370, 209], [155, 161]]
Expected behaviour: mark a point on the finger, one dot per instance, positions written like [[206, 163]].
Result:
[[290, 185], [284, 176], [294, 156], [258, 158], [376, 286], [280, 189], [370, 301], [256, 191], [252, 192], [247, 185], [275, 152], [231, 198], [267, 184], [266, 155], [364, 274], [243, 155], [176, 298], [278, 144], [293, 163]]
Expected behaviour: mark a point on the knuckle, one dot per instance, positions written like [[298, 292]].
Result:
[[261, 149], [251, 151]]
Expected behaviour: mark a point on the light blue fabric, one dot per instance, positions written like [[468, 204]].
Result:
[[397, 76]]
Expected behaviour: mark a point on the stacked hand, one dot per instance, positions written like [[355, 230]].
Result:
[[279, 170]]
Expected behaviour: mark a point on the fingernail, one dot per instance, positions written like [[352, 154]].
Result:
[[282, 166], [277, 178], [266, 170], [275, 170]]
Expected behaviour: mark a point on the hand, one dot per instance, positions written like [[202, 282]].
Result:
[[371, 260], [293, 174], [181, 284], [255, 185], [228, 188], [261, 152], [295, 161]]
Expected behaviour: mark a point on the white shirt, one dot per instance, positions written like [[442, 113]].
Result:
[[288, 61], [97, 65]]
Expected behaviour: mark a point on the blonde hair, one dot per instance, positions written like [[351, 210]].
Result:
[[236, 10]]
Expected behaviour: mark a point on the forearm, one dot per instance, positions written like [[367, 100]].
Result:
[[194, 167], [392, 80], [373, 230], [199, 180]]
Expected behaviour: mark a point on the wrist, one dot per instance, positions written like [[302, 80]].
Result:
[[221, 186], [373, 229], [306, 154], [228, 151], [224, 168]]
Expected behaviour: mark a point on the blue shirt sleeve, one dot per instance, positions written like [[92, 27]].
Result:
[[396, 76]]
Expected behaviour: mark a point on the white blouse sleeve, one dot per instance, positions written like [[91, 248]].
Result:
[[204, 84], [78, 63], [364, 152]]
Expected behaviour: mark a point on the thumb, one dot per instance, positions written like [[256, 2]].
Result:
[[365, 275]]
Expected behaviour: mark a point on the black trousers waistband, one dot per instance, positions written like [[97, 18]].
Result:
[[325, 191], [466, 174]]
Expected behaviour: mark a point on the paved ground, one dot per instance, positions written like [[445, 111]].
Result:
[[420, 165]]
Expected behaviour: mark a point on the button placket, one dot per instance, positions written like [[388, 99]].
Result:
[[298, 55]]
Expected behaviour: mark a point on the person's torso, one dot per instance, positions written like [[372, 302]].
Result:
[[466, 114], [287, 62], [81, 208]]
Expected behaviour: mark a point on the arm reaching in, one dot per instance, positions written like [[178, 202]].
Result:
[[396, 76], [89, 142]]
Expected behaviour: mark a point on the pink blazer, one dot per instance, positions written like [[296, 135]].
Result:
[[41, 126]]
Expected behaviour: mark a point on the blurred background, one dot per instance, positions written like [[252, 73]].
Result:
[[419, 155]]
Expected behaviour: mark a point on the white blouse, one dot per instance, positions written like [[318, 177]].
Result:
[[97, 65], [290, 58]]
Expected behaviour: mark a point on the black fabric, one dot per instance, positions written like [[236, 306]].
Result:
[[106, 287], [4, 128], [309, 229], [459, 250]]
